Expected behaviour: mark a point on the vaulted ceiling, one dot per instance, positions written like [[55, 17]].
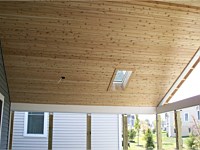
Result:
[[87, 41]]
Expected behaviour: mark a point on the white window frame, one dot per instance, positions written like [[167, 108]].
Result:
[[1, 99], [35, 135], [188, 117]]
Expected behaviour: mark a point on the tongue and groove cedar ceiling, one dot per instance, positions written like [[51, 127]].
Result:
[[87, 41]]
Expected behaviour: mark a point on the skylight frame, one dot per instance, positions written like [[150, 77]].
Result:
[[121, 85]]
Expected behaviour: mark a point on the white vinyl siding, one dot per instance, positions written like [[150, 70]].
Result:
[[69, 132], [21, 142], [105, 132]]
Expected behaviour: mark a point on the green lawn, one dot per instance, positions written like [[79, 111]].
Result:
[[168, 143]]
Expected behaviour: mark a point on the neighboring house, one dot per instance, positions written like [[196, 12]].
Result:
[[131, 121], [187, 118], [69, 131]]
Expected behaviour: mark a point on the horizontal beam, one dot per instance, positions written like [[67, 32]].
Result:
[[82, 108], [181, 77], [189, 102]]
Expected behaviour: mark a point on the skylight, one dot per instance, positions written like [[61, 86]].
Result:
[[120, 75], [120, 79]]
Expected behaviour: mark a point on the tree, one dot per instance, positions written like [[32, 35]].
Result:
[[149, 140], [131, 134], [137, 127]]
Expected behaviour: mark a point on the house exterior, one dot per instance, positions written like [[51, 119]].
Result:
[[188, 115], [5, 106], [131, 121], [69, 131]]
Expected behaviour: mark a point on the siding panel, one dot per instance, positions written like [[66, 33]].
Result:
[[6, 111], [105, 132], [21, 142], [69, 132]]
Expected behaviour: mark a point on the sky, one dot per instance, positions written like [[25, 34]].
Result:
[[191, 86], [151, 118]]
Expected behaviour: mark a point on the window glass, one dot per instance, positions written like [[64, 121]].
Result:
[[35, 123], [120, 76], [186, 117]]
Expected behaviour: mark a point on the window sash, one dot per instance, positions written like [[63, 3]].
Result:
[[35, 132], [35, 123], [120, 75], [186, 117]]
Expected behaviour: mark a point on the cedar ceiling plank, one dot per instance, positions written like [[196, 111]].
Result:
[[87, 41]]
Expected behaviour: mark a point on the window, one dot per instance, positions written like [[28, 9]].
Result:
[[120, 79], [35, 124], [174, 130], [198, 115], [186, 117], [189, 130], [1, 111]]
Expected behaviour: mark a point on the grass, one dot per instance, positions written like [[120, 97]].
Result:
[[168, 143]]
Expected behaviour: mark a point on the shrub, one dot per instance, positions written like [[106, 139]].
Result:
[[131, 134], [137, 128], [167, 134], [149, 140], [191, 142], [154, 130]]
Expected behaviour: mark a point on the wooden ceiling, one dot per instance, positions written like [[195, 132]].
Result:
[[87, 41]]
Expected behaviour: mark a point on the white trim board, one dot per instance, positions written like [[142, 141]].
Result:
[[181, 77], [82, 108], [1, 121], [1, 97], [189, 102]]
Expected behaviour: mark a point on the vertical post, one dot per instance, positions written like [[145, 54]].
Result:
[[50, 136], [177, 117], [11, 129], [159, 132], [125, 132], [88, 131]]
